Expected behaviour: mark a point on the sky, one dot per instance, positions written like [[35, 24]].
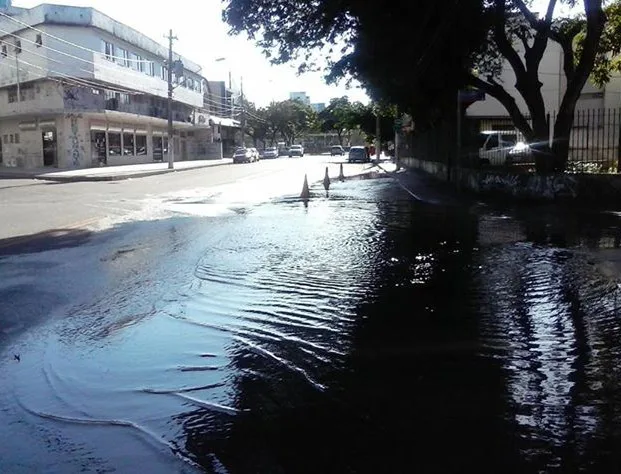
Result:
[[203, 37]]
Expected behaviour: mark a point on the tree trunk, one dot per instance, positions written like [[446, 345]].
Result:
[[560, 145]]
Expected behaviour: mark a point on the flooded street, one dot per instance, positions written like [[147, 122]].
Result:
[[366, 332]]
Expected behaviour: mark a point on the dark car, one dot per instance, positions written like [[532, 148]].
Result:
[[337, 150], [358, 154], [244, 155]]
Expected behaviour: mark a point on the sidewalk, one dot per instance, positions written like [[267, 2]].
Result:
[[107, 173]]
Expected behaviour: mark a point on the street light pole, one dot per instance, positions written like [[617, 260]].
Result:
[[378, 142], [243, 113], [171, 146]]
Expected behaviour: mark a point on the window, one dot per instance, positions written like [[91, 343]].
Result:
[[189, 83], [4, 51], [122, 57], [18, 46], [164, 73], [136, 62], [199, 86], [17, 138], [158, 148], [39, 40], [108, 50], [123, 98], [114, 144], [128, 144], [12, 92], [26, 92], [151, 68], [141, 145]]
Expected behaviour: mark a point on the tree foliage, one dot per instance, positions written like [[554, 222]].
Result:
[[287, 119], [414, 53]]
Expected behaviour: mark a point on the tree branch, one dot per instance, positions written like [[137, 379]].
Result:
[[507, 100], [596, 19], [504, 45]]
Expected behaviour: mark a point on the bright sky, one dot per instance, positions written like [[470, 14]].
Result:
[[203, 38]]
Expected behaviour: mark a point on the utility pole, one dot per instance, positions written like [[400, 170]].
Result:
[[231, 93], [171, 145], [17, 74], [458, 148], [378, 142], [243, 113]]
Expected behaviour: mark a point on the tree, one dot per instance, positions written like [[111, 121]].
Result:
[[413, 53], [513, 22], [340, 117], [257, 126]]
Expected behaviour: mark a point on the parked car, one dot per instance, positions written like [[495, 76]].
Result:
[[296, 150], [503, 147], [358, 153], [244, 155], [271, 152], [255, 152], [337, 150]]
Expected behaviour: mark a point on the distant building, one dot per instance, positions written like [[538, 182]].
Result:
[[318, 107], [301, 96]]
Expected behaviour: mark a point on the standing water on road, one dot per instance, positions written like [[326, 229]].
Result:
[[365, 333]]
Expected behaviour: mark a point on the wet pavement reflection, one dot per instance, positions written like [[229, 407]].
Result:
[[366, 332]]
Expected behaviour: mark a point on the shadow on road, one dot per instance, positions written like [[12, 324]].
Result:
[[53, 239]]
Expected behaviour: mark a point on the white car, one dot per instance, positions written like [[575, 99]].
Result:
[[296, 150]]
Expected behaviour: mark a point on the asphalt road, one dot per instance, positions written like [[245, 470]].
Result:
[[29, 208]]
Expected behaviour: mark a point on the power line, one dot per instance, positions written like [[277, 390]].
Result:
[[65, 41], [111, 68], [83, 82], [31, 52]]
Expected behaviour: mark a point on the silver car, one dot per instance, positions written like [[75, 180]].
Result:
[[271, 152]]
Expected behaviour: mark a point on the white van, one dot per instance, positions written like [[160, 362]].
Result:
[[503, 147]]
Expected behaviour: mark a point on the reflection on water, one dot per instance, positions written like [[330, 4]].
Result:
[[367, 333]]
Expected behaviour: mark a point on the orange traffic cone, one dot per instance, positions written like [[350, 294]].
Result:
[[305, 191], [326, 180], [341, 175]]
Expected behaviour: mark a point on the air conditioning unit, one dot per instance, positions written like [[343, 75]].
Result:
[[201, 119]]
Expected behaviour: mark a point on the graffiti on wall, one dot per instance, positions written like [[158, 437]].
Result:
[[76, 149], [531, 186]]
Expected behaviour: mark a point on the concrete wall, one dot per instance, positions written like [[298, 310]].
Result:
[[46, 99], [28, 153], [592, 189]]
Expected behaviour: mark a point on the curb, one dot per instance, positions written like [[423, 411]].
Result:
[[122, 177]]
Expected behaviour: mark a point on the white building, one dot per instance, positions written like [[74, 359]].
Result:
[[554, 85], [79, 89], [301, 96]]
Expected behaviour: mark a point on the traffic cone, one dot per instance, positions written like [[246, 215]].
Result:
[[305, 191], [341, 175], [326, 180]]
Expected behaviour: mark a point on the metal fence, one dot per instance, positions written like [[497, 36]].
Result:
[[594, 142]]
